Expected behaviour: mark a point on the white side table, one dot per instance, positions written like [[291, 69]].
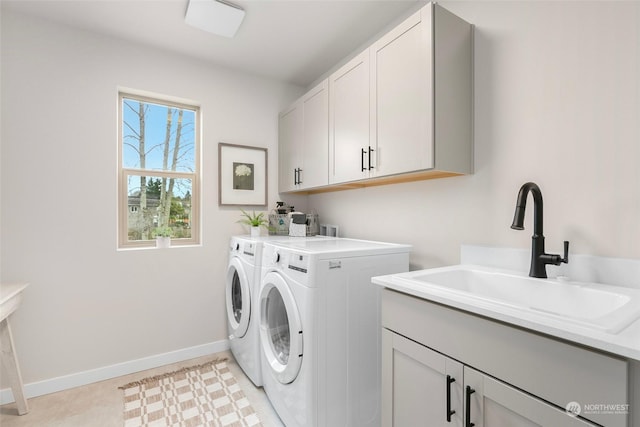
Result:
[[10, 297]]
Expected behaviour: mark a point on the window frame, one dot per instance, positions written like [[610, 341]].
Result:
[[124, 173]]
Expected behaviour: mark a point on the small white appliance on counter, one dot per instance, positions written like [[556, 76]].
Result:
[[297, 224]]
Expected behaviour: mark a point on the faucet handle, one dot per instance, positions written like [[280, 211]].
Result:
[[556, 259], [566, 252]]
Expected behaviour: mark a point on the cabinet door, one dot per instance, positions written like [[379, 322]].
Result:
[[289, 146], [402, 96], [315, 140], [349, 122], [495, 404], [415, 383]]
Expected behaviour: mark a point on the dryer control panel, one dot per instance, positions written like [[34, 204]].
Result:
[[298, 262], [249, 248], [242, 248]]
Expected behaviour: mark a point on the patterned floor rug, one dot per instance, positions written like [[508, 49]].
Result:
[[203, 395]]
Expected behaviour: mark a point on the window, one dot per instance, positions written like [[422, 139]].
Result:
[[158, 171]]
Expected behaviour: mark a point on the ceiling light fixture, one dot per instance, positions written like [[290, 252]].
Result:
[[215, 16]]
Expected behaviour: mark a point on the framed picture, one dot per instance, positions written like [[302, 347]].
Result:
[[242, 175]]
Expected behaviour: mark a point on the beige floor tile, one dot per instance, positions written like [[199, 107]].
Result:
[[100, 404]]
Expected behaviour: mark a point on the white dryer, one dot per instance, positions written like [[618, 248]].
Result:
[[320, 329], [242, 282], [242, 293]]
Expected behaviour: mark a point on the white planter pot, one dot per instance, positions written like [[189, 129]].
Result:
[[163, 242], [255, 231]]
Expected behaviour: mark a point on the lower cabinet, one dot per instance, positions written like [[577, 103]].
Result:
[[489, 402], [495, 374], [421, 387]]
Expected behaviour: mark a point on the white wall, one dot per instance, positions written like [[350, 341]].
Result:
[[557, 102], [89, 305]]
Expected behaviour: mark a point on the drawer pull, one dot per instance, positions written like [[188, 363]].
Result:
[[469, 391], [450, 380]]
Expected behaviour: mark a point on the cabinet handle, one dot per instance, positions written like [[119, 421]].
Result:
[[296, 176], [371, 150], [469, 391], [362, 153], [450, 380]]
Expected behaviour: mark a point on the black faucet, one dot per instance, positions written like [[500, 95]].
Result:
[[539, 259]]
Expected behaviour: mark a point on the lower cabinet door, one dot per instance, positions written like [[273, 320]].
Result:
[[492, 403], [420, 387]]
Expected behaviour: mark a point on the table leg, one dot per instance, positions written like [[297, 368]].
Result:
[[10, 362]]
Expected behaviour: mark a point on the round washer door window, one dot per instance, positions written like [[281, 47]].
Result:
[[280, 328], [238, 299]]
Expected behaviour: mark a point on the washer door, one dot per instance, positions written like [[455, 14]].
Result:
[[238, 299], [280, 328]]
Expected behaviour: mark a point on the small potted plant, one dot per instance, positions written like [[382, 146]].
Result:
[[255, 221], [163, 237]]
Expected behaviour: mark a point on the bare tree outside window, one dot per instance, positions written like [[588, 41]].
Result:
[[158, 173]]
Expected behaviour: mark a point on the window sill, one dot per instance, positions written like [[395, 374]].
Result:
[[145, 248]]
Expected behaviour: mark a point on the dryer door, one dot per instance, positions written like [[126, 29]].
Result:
[[280, 328], [238, 297]]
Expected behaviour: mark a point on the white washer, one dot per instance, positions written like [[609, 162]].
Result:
[[242, 287], [320, 329]]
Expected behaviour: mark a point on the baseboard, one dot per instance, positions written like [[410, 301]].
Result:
[[107, 372]]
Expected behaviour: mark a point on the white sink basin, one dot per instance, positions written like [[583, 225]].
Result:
[[607, 308]]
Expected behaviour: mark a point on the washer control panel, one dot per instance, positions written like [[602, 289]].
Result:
[[285, 259], [249, 248]]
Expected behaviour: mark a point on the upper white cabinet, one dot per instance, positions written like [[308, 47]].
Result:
[[315, 119], [402, 96], [350, 150], [303, 141], [421, 95], [289, 147], [402, 109]]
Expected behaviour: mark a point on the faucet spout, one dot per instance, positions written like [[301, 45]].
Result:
[[521, 204], [539, 259]]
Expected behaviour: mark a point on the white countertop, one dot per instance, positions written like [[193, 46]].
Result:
[[626, 343], [333, 247], [9, 298]]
